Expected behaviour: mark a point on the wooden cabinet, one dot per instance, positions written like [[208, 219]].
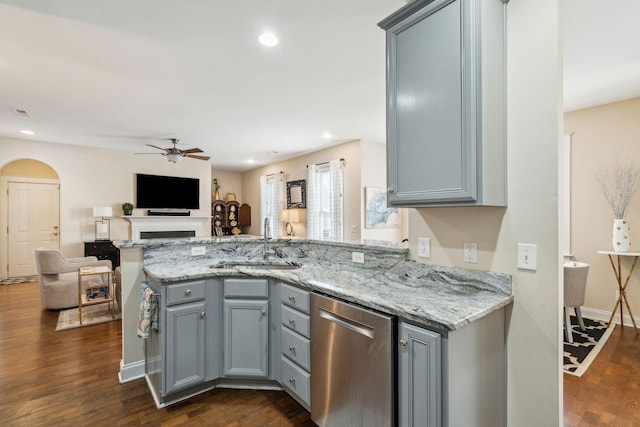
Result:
[[246, 328], [229, 216], [446, 116], [419, 377], [103, 250]]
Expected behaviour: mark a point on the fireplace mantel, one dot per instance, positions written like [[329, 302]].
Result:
[[167, 223]]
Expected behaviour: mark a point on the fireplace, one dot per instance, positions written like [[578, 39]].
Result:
[[159, 227]]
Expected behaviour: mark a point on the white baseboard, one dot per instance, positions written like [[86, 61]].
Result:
[[603, 315], [131, 371]]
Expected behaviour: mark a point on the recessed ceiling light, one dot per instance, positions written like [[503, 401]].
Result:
[[326, 135], [251, 161], [268, 39], [27, 132]]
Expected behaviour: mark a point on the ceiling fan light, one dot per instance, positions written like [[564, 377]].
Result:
[[174, 157]]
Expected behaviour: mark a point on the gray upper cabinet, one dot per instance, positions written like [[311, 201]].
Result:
[[446, 103]]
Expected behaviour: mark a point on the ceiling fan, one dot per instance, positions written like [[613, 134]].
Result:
[[174, 154]]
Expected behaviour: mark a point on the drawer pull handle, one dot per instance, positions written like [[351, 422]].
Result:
[[292, 299], [292, 322], [292, 381], [187, 293]]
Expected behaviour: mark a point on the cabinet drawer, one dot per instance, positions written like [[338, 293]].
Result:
[[185, 292], [295, 297], [296, 321], [296, 380], [296, 347], [246, 288]]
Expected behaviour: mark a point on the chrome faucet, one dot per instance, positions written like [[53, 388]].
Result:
[[267, 232]]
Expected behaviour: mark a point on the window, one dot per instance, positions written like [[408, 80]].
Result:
[[324, 201], [271, 203]]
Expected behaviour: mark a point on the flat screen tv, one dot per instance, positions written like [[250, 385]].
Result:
[[167, 192]]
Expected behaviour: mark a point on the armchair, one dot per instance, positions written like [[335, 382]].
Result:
[[58, 277]]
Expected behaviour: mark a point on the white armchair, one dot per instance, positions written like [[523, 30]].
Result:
[[58, 277]]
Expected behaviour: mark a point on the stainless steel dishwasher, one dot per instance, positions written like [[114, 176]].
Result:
[[352, 365]]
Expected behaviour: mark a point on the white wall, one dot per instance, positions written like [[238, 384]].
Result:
[[534, 128], [98, 177]]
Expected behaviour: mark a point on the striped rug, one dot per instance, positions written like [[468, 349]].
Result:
[[16, 280]]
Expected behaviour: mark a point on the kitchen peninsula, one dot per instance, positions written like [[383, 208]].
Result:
[[462, 310]]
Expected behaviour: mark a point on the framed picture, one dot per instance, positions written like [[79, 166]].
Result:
[[297, 194], [231, 197], [219, 232], [379, 215]]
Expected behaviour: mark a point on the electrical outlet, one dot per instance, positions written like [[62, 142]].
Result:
[[357, 257], [527, 256], [424, 247], [198, 250], [471, 253], [354, 228]]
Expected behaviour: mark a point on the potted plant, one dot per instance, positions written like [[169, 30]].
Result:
[[127, 208]]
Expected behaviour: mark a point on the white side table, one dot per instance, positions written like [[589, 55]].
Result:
[[617, 271]]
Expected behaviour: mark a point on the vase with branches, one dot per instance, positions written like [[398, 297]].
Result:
[[618, 184]]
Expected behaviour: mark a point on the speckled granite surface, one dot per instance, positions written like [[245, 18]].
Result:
[[433, 296]]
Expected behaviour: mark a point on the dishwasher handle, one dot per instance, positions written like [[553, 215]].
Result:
[[347, 323]]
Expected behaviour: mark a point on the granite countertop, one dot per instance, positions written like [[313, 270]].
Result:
[[445, 299]]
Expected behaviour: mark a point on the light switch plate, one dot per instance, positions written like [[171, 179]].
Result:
[[424, 247], [198, 250], [357, 257], [527, 256]]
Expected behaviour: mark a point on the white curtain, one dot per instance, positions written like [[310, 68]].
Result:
[[272, 203], [325, 201], [336, 199], [314, 228]]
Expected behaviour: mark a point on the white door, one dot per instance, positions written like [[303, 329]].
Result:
[[34, 221]]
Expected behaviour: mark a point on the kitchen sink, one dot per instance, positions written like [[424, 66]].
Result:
[[266, 265]]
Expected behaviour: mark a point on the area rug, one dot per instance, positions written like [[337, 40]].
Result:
[[91, 315], [586, 345], [16, 280]]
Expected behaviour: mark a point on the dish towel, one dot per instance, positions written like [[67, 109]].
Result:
[[148, 315]]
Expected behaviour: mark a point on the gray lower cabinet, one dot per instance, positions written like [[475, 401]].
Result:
[[419, 379], [296, 343], [186, 331], [446, 138], [246, 328]]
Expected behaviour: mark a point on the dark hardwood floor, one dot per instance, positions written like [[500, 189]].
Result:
[[70, 378], [608, 393]]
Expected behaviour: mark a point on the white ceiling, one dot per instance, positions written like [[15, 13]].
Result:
[[122, 74]]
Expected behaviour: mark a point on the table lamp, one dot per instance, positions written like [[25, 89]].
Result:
[[103, 227]]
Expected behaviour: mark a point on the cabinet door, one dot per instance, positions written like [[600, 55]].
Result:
[[185, 345], [445, 103], [246, 338], [419, 377]]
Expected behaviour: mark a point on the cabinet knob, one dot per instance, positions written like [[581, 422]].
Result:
[[187, 293], [292, 298], [292, 322], [403, 344], [292, 381], [264, 313], [202, 315], [292, 348]]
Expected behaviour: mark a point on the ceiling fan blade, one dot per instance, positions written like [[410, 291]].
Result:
[[198, 157], [164, 154], [155, 146], [192, 150]]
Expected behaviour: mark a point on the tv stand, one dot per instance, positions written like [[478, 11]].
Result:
[[169, 212]]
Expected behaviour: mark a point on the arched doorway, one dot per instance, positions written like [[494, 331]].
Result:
[[30, 195]]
